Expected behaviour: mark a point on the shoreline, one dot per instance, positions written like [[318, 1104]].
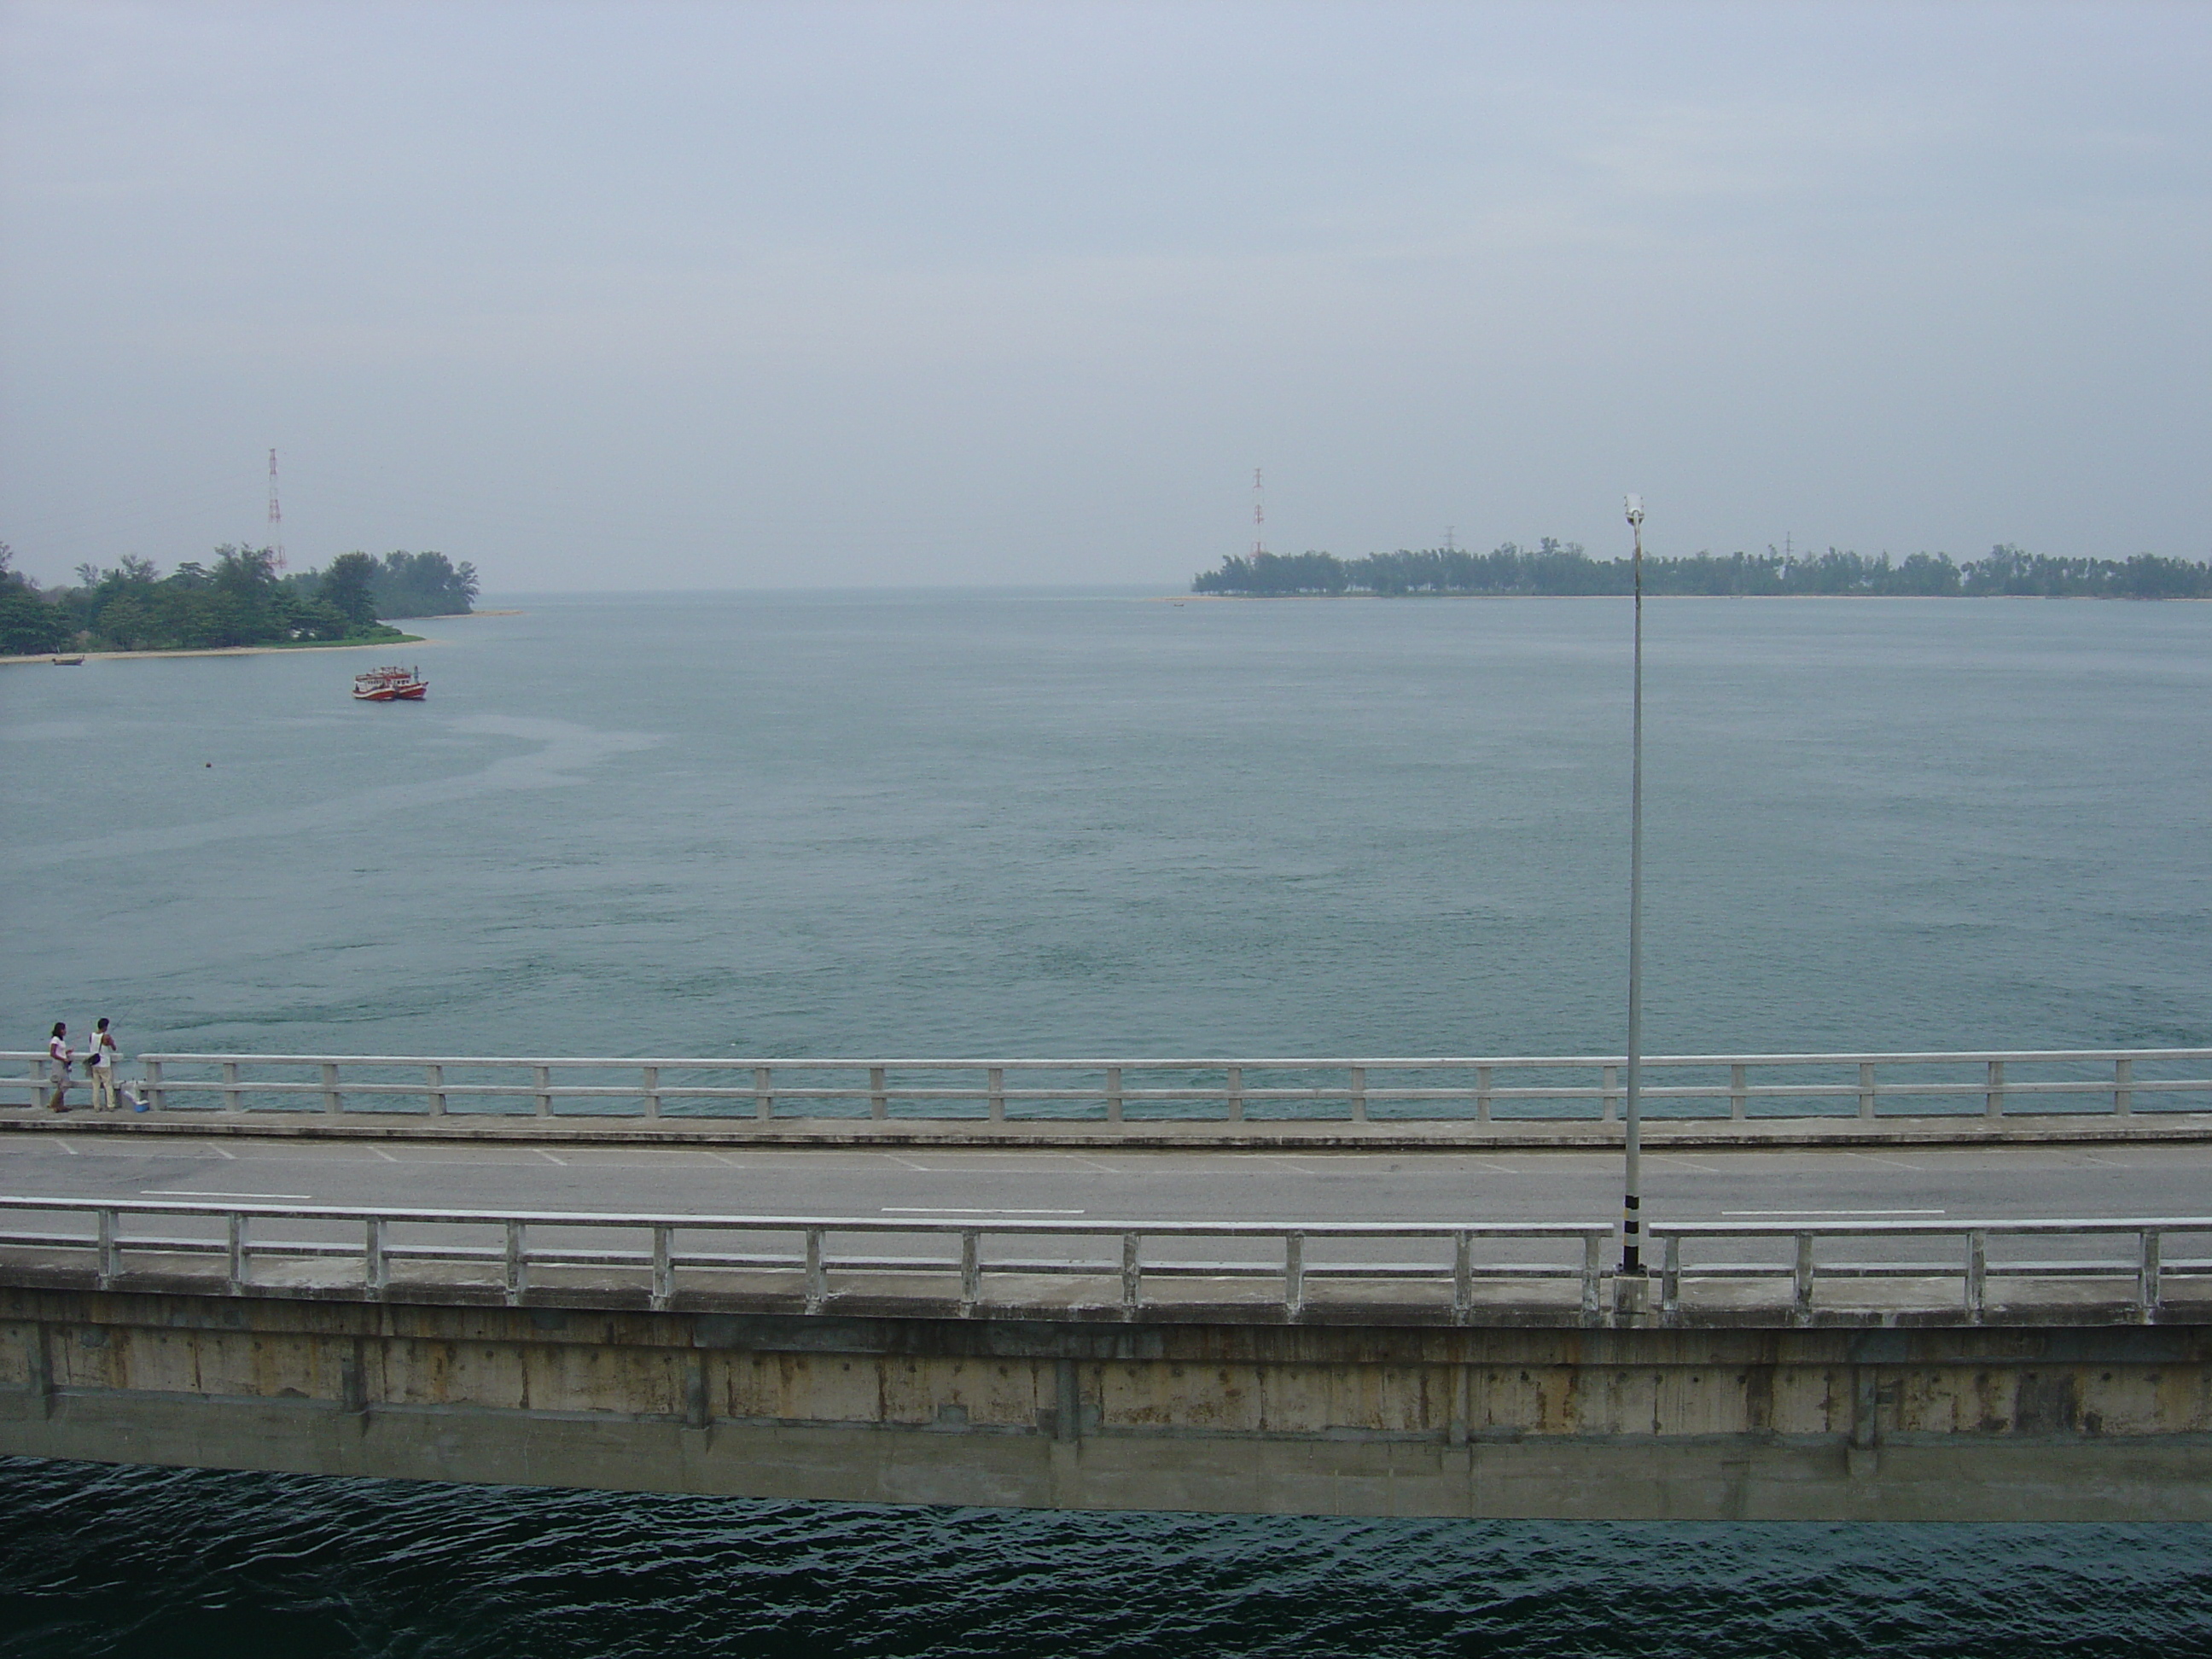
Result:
[[2092, 599], [48, 656], [456, 616]]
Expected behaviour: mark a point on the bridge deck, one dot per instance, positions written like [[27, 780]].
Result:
[[1818, 1184]]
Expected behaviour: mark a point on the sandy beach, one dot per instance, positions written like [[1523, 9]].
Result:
[[221, 651], [260, 650]]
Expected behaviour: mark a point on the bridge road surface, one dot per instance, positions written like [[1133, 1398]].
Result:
[[1002, 1188], [1811, 1184]]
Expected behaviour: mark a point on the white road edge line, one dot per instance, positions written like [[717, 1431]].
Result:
[[925, 1209], [1819, 1213], [186, 1192]]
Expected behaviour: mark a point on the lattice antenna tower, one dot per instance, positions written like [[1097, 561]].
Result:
[[275, 513], [1259, 515]]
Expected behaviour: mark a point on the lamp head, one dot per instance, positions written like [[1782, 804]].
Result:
[[1635, 510]]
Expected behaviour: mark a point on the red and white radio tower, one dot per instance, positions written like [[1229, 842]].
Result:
[[275, 513], [1259, 516]]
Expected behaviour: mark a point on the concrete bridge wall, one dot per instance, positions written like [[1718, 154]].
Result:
[[2021, 1422]]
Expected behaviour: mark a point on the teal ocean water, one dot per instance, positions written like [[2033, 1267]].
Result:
[[1042, 824], [1009, 824]]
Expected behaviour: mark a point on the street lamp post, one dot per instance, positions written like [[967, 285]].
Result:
[[1632, 1203]]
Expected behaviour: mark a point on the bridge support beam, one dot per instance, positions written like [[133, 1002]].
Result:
[[2051, 1423]]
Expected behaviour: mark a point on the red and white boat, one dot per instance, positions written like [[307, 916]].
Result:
[[391, 685]]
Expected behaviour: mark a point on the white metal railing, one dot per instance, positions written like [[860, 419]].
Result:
[[2146, 1261], [649, 1252], [657, 1249], [1825, 1087]]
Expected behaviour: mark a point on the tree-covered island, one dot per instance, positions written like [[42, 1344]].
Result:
[[1563, 568], [242, 599]]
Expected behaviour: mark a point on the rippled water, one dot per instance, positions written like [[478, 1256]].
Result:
[[1062, 824], [181, 1564], [1052, 825]]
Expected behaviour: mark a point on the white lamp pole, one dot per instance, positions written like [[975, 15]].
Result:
[[1631, 1207]]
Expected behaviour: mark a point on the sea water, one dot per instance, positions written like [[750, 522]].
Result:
[[1100, 824], [1084, 824]]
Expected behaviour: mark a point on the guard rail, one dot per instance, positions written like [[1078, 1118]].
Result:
[[651, 1252], [656, 1248], [1114, 1093], [2146, 1262]]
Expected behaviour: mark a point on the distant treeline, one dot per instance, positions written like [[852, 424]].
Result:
[[241, 599], [1555, 566], [415, 584]]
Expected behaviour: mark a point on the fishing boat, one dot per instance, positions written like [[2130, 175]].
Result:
[[68, 662], [391, 685]]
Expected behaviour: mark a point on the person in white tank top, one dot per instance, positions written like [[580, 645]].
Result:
[[100, 1067]]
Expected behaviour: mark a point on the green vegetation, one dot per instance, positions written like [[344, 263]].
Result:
[[241, 600], [420, 585], [1555, 567]]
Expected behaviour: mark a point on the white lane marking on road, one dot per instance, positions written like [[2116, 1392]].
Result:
[[1676, 1157], [548, 1157], [1813, 1212], [708, 1152], [71, 1150], [1088, 1163], [574, 1162], [472, 1162], [385, 1155], [1032, 1172], [2110, 1163], [191, 1191], [918, 1169], [1893, 1163], [1303, 1162], [925, 1209], [220, 1151]]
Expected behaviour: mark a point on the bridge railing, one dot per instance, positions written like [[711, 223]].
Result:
[[2133, 1253], [1116, 1092], [383, 1251], [505, 1248]]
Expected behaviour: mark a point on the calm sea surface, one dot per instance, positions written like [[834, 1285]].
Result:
[[1008, 824], [1084, 824]]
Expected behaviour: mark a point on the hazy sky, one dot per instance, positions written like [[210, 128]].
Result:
[[677, 296]]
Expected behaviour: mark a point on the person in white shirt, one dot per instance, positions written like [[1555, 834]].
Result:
[[100, 1067], [59, 1057]]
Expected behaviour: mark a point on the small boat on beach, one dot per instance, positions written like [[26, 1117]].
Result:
[[68, 662], [391, 685]]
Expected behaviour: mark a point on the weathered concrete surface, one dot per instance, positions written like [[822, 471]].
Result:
[[1502, 1134], [2015, 1422]]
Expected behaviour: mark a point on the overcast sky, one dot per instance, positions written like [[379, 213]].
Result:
[[709, 295]]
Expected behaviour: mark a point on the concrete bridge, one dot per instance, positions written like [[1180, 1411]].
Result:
[[1904, 1328]]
